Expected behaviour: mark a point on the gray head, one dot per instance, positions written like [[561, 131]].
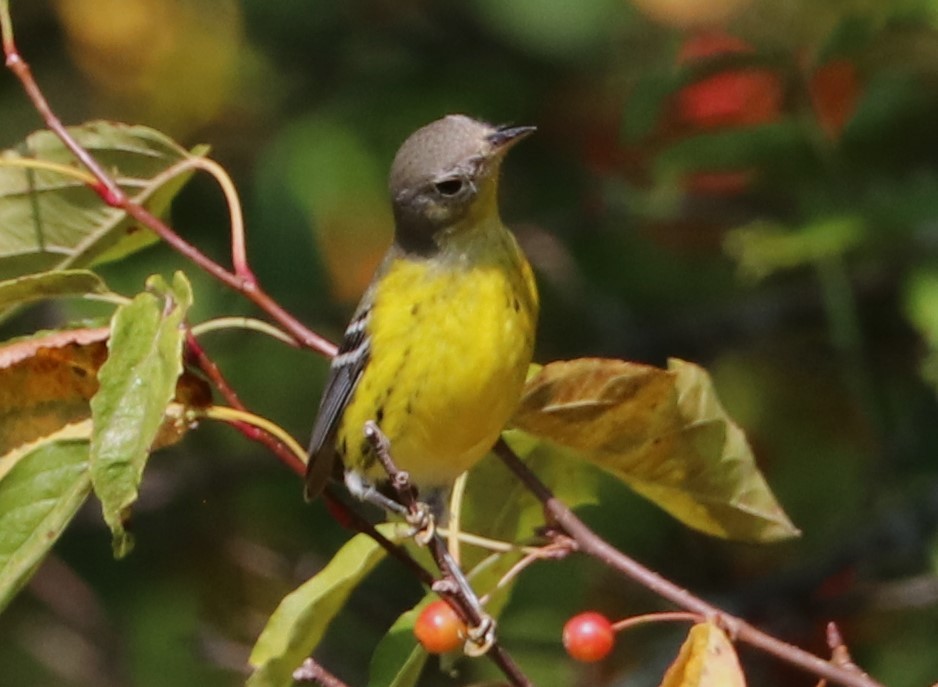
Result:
[[444, 173]]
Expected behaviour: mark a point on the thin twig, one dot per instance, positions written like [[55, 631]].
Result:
[[556, 550], [593, 545], [311, 671], [840, 654]]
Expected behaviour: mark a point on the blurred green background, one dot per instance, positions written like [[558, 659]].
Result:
[[746, 184]]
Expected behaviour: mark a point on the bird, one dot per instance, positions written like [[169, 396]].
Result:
[[437, 351]]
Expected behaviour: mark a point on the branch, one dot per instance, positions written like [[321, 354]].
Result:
[[240, 280], [453, 585], [592, 544]]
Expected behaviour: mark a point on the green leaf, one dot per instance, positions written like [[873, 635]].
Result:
[[36, 287], [137, 382], [52, 221], [42, 485], [662, 432], [399, 659], [301, 619]]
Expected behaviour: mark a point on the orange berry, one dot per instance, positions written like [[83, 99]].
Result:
[[439, 629]]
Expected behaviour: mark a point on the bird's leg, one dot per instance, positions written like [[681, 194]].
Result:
[[417, 514], [365, 491], [480, 635], [481, 632]]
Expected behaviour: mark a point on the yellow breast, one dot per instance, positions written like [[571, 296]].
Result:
[[451, 342]]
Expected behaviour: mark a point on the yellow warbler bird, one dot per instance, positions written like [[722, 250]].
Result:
[[437, 351]]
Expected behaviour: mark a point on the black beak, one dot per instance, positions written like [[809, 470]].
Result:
[[505, 137]]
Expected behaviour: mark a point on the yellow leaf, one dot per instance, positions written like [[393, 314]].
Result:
[[706, 659], [662, 432]]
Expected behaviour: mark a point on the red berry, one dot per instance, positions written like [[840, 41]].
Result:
[[588, 637], [439, 629]]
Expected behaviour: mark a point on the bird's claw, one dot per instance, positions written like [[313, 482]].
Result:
[[481, 637], [423, 522]]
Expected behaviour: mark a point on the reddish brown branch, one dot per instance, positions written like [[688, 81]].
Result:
[[592, 544], [113, 195]]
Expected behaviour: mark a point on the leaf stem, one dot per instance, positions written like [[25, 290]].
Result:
[[249, 323], [647, 618], [455, 516], [236, 215], [494, 545], [560, 548], [235, 415]]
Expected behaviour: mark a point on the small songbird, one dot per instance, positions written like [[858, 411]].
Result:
[[437, 351]]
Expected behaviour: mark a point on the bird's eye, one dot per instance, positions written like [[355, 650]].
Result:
[[449, 187]]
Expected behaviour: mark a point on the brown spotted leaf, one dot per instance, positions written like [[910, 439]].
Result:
[[47, 381], [662, 432]]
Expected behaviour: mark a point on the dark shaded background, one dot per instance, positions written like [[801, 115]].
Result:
[[800, 270]]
